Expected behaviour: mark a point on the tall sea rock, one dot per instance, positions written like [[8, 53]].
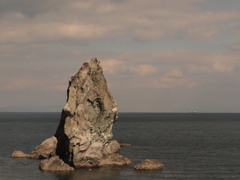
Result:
[[85, 129], [83, 137]]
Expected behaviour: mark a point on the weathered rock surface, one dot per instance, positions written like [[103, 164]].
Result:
[[149, 164], [54, 164], [85, 128]]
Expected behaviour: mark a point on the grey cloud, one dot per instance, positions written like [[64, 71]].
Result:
[[55, 21], [118, 1], [235, 47], [29, 8]]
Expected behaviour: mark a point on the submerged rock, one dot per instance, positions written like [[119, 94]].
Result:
[[54, 164], [149, 164]]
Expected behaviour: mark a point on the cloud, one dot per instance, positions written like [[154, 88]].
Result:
[[173, 69], [15, 84], [222, 67], [170, 82], [204, 33], [162, 69], [112, 66], [53, 32], [174, 73], [216, 67], [56, 21], [235, 47], [144, 69], [172, 79], [215, 63], [30, 8], [144, 44], [115, 66], [236, 29]]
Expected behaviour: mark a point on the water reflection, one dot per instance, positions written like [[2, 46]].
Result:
[[103, 173]]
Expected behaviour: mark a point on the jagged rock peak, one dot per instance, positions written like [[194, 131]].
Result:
[[89, 80]]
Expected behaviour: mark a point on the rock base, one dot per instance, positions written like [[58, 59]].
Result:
[[55, 164], [46, 149], [98, 157]]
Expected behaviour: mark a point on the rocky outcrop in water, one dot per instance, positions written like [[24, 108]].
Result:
[[149, 164], [46, 149], [83, 137], [85, 128], [20, 154]]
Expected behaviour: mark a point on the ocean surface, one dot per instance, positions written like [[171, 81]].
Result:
[[192, 146]]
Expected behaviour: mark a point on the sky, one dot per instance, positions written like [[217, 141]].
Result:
[[157, 55]]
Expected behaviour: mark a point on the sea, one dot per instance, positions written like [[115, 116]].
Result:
[[192, 146]]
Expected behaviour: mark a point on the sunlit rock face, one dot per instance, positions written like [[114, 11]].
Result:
[[85, 128]]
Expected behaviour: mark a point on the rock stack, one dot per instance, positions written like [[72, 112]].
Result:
[[83, 137], [85, 129]]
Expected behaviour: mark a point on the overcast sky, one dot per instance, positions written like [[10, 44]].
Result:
[[157, 55]]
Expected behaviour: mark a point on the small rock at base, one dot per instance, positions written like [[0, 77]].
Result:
[[115, 160], [20, 154], [55, 164], [149, 164], [46, 149]]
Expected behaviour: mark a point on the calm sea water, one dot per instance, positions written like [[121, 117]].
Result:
[[192, 146]]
